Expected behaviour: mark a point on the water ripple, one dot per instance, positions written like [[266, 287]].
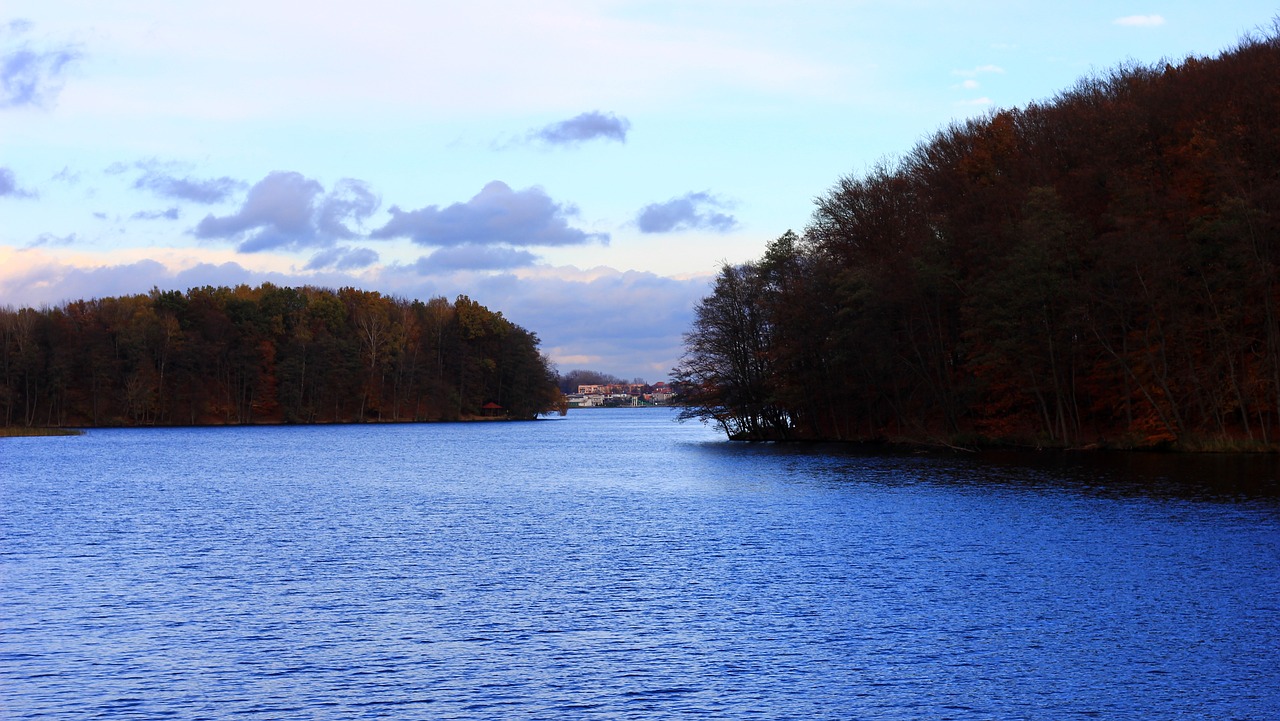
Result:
[[616, 565]]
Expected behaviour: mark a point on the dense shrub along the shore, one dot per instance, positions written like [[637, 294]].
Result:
[[1102, 268]]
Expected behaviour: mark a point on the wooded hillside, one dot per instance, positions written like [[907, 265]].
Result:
[[1098, 268], [266, 355]]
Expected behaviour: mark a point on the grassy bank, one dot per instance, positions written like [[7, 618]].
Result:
[[23, 431]]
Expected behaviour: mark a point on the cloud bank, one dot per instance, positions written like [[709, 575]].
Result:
[[628, 323], [474, 257], [343, 258]]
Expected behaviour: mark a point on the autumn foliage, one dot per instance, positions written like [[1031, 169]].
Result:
[[1101, 268], [266, 355]]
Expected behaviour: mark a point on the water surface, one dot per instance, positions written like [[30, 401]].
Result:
[[613, 564]]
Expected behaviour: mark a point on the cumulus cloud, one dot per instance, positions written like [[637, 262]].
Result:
[[287, 210], [9, 186], [350, 200], [1140, 21], [582, 128], [497, 215], [31, 76], [691, 211], [343, 259], [277, 212]]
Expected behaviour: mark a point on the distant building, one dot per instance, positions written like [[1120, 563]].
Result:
[[620, 395]]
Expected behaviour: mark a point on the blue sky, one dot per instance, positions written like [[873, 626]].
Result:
[[584, 167]]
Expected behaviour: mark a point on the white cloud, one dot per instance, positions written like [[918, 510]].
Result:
[[289, 210], [691, 211], [1140, 21], [497, 215]]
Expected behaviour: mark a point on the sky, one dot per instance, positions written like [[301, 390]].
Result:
[[585, 168]]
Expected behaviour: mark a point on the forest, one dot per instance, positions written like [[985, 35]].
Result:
[[267, 355], [1095, 270]]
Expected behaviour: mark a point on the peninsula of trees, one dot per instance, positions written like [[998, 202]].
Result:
[[267, 355], [1098, 269]]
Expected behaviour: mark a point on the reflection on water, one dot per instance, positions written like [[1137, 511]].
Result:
[[614, 564], [1207, 476]]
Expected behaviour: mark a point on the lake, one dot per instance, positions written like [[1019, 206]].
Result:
[[615, 564]]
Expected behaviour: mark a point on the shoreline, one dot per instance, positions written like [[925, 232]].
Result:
[[75, 430], [972, 445]]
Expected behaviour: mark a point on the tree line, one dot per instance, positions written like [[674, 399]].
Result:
[[570, 381], [1100, 268], [218, 355]]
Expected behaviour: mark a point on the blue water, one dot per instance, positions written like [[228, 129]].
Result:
[[614, 564]]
